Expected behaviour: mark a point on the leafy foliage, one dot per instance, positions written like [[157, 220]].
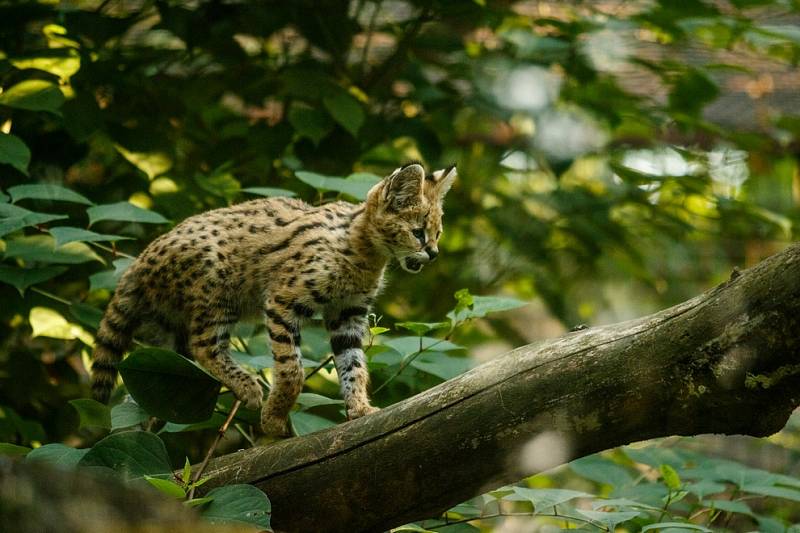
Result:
[[597, 165]]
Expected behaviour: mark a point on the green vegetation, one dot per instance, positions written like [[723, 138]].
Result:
[[614, 158]]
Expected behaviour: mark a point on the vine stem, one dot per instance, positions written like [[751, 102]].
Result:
[[221, 433], [407, 362], [320, 366], [501, 514]]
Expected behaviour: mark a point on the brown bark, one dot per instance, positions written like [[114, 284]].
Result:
[[727, 361]]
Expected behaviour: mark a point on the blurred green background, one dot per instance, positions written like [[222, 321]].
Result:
[[614, 158]]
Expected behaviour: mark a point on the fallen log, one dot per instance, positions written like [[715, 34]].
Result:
[[727, 361]]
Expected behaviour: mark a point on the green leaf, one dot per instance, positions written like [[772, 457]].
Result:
[[691, 91], [441, 365], [42, 248], [729, 506], [86, 314], [151, 163], [345, 110], [127, 414], [239, 504], [33, 95], [357, 185], [135, 454], [124, 212], [108, 279], [65, 234], [14, 152], [167, 486], [421, 328], [187, 471], [609, 519], [775, 492], [305, 423], [219, 183], [22, 278], [215, 421], [47, 191], [543, 499], [92, 413], [309, 122], [308, 400], [482, 306], [13, 450], [409, 345], [15, 218], [601, 470], [670, 476], [57, 455], [678, 525], [197, 502], [270, 191], [62, 62], [152, 375]]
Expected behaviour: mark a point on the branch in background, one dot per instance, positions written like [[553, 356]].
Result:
[[727, 361]]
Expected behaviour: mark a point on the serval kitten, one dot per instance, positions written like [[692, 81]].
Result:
[[283, 260]]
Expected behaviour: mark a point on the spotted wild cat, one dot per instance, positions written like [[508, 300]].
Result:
[[283, 260]]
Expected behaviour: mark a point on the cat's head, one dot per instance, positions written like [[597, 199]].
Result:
[[406, 211]]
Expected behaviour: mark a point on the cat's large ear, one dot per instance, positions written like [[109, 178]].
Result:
[[443, 180], [403, 188]]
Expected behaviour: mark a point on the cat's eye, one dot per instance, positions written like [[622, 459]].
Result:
[[419, 233]]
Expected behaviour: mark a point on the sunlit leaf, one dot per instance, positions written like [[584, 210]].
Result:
[[33, 95], [62, 62], [151, 163], [48, 322], [167, 486], [307, 400], [670, 477], [42, 249]]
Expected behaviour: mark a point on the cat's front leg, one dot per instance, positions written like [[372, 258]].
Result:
[[347, 328]]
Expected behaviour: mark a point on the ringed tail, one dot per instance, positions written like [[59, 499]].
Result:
[[113, 338]]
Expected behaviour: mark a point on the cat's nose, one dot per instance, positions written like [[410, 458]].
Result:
[[432, 254]]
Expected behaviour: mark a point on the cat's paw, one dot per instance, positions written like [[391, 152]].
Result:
[[249, 392], [361, 410], [274, 426]]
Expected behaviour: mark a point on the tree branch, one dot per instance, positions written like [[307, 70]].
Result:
[[727, 361]]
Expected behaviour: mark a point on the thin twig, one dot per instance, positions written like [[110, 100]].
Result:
[[221, 433], [320, 366], [406, 363], [111, 250], [533, 515], [51, 295], [370, 30]]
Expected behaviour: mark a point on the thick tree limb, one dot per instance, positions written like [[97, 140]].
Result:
[[727, 361]]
